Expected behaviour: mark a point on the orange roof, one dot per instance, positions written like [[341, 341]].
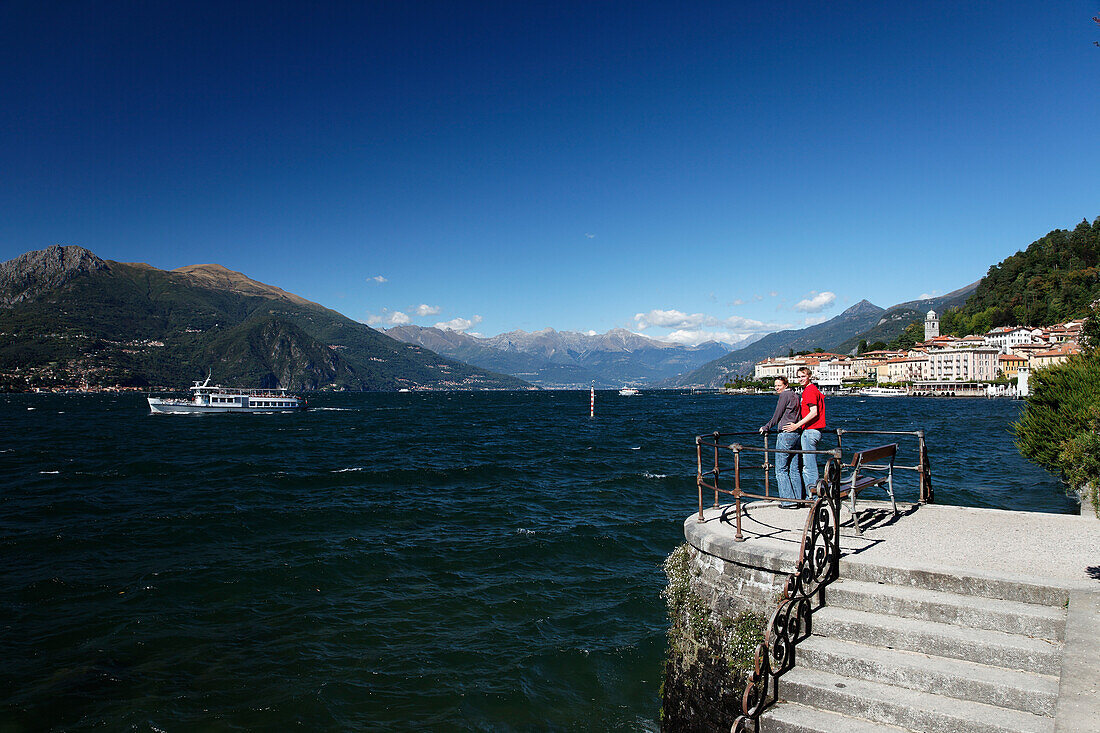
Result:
[[1068, 349]]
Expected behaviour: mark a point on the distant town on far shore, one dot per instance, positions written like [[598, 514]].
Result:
[[997, 363]]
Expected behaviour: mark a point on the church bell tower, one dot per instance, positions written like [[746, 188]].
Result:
[[931, 325]]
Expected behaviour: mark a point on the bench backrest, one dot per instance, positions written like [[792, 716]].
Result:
[[874, 454]]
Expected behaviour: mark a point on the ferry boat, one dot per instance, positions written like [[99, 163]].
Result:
[[213, 398], [628, 392], [883, 392]]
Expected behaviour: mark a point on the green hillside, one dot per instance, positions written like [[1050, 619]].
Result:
[[67, 316], [1054, 280]]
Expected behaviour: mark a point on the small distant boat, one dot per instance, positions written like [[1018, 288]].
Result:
[[883, 392], [213, 398], [628, 392]]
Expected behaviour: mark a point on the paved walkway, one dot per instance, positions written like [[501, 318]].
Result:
[[1059, 550]]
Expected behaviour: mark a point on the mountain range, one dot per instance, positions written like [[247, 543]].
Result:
[[840, 334], [68, 316], [567, 359]]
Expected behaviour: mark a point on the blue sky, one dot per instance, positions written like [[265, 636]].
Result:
[[678, 169]]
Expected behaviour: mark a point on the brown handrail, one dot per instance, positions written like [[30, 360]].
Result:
[[737, 492], [790, 622]]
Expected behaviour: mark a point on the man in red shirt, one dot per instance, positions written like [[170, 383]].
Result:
[[812, 409]]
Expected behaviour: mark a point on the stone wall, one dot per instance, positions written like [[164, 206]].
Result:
[[717, 610]]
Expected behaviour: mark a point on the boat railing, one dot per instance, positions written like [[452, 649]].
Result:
[[258, 392], [736, 480]]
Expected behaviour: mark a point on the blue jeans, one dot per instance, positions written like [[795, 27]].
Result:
[[810, 439], [788, 482]]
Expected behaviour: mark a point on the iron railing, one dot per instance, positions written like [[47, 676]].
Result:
[[713, 480], [923, 467], [818, 558], [804, 592]]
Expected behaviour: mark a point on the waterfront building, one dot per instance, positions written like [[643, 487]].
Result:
[[909, 368], [963, 364], [865, 366], [832, 373]]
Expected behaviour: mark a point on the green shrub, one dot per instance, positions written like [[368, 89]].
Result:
[[1080, 459], [1058, 410]]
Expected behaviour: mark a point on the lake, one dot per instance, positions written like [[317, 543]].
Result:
[[486, 561]]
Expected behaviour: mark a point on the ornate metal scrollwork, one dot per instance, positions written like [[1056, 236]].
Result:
[[790, 622]]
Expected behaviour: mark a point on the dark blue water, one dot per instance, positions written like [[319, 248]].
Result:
[[383, 561]]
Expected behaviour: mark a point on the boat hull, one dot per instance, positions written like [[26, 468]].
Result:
[[163, 407]]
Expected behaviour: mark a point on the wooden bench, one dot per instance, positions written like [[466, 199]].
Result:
[[868, 469]]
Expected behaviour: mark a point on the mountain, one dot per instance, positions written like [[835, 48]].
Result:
[[857, 319], [897, 317], [68, 316], [567, 359]]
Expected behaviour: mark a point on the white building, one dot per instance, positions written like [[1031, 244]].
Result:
[[963, 365], [909, 368], [1007, 337]]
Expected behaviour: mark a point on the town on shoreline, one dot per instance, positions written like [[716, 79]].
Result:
[[996, 364]]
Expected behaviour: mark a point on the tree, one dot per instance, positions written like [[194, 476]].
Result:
[[862, 346], [1090, 331], [913, 334], [1060, 428]]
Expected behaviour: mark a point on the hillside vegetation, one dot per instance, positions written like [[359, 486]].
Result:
[[1054, 280], [67, 317]]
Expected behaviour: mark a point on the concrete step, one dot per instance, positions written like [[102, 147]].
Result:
[[1008, 688], [997, 648], [1013, 617], [919, 711], [967, 585], [790, 717]]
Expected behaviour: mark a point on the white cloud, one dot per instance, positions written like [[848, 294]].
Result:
[[773, 294], [426, 310], [377, 279], [689, 323], [814, 320], [668, 319], [459, 324], [590, 236], [929, 296], [816, 302], [737, 301], [389, 318], [690, 337]]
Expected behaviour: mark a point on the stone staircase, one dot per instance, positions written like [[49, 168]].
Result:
[[926, 652]]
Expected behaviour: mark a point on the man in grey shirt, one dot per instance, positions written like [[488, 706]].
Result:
[[788, 478]]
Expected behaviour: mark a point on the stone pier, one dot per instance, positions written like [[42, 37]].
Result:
[[944, 618]]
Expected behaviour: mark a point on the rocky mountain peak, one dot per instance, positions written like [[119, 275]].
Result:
[[219, 277], [33, 273], [863, 307]]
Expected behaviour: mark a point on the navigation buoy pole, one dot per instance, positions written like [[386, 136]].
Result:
[[592, 403]]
